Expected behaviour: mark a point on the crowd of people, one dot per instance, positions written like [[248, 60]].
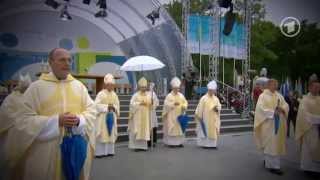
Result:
[[36, 117]]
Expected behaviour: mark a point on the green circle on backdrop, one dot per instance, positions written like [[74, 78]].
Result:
[[83, 42]]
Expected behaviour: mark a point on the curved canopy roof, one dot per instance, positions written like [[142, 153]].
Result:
[[126, 26]]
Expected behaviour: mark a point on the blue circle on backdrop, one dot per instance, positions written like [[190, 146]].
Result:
[[66, 44], [9, 40]]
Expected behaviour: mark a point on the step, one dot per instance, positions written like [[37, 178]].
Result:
[[190, 132], [124, 97], [124, 119], [125, 113], [125, 107], [192, 124], [161, 101]]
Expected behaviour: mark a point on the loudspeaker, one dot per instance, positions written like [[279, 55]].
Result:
[[225, 3], [86, 2], [228, 26]]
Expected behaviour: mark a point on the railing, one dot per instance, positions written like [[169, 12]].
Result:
[[239, 103]]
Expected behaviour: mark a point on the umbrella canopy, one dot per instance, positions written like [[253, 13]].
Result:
[[203, 127], [183, 121], [74, 153], [276, 123], [276, 120], [109, 122], [142, 63]]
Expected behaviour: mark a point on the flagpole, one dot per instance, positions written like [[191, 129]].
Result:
[[234, 72], [223, 70], [151, 109], [200, 36]]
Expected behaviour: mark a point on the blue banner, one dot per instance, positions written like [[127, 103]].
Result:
[[200, 38]]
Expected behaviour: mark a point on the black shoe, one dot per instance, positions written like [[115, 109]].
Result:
[[276, 171], [181, 145], [213, 148], [174, 146], [110, 155], [99, 157], [140, 150]]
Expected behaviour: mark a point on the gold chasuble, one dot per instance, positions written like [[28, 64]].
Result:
[[205, 111], [171, 112], [307, 128], [264, 125], [9, 108], [37, 158], [139, 117], [103, 99]]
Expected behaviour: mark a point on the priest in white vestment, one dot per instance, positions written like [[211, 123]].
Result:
[[106, 102], [208, 118], [308, 129], [54, 103]]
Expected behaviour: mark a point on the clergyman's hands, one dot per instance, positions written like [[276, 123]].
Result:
[[68, 120], [215, 109]]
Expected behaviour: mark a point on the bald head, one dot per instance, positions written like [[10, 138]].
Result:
[[60, 61], [57, 52]]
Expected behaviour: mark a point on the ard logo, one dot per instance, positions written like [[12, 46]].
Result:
[[290, 26]]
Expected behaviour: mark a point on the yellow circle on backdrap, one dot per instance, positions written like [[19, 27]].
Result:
[[83, 42]]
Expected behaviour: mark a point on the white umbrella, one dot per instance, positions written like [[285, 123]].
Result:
[[142, 63]]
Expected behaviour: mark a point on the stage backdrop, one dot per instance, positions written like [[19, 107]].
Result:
[[14, 63], [232, 46]]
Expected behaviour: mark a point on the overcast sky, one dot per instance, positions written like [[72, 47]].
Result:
[[301, 9], [279, 9]]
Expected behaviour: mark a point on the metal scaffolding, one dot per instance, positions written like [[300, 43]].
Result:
[[246, 67], [215, 13], [215, 36], [185, 55]]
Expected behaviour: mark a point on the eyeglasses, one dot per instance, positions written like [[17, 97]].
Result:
[[64, 61]]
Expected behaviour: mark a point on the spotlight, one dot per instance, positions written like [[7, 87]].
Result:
[[155, 14], [101, 14], [52, 3], [86, 2], [102, 4], [225, 3], [103, 9], [208, 9], [230, 16], [65, 16], [228, 26]]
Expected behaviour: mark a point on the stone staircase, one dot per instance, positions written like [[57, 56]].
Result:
[[231, 122]]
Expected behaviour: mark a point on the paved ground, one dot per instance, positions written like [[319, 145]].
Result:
[[236, 158]]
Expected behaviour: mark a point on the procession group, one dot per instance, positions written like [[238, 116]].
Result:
[[38, 117]]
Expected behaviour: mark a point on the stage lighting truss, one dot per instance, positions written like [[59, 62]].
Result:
[[154, 15], [52, 3], [64, 15], [102, 13]]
